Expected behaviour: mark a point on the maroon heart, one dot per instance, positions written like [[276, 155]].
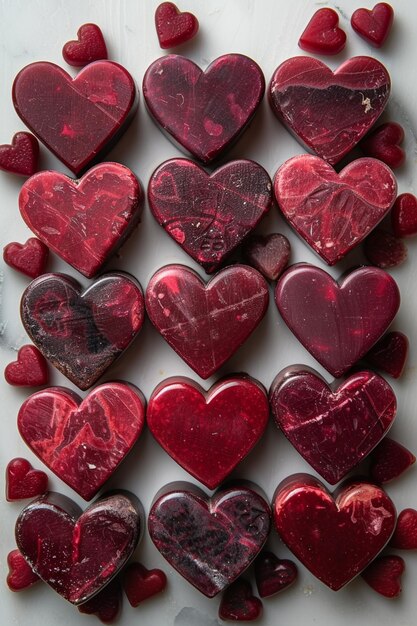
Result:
[[206, 324], [273, 575], [328, 112], [335, 538], [29, 370], [29, 258], [337, 323], [405, 535], [89, 113], [322, 34], [140, 583], [384, 250], [269, 254], [333, 428], [90, 46], [374, 26], [383, 143], [81, 334], [21, 156], [106, 604], [77, 553], [209, 215], [390, 353], [20, 576], [384, 575], [404, 215], [389, 460], [239, 604], [174, 27], [179, 96], [22, 481]]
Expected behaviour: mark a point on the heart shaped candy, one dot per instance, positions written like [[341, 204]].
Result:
[[405, 535], [21, 156], [404, 215], [106, 604], [272, 574], [29, 370], [383, 143], [89, 47], [390, 353], [174, 27], [389, 460], [374, 26], [22, 481], [384, 575], [322, 34], [20, 576], [269, 254], [239, 604], [140, 583], [29, 258], [384, 250]]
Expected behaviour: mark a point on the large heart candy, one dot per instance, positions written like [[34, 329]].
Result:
[[194, 426], [82, 333], [209, 541], [204, 112], [337, 323], [83, 442], [209, 215], [206, 324], [335, 538], [84, 221], [335, 427], [77, 553], [77, 119], [328, 112]]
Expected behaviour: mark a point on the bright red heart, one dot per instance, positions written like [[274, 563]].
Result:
[[269, 254], [239, 604], [375, 25], [140, 583], [384, 250], [322, 34], [30, 369], [273, 575], [405, 535], [22, 481], [21, 156], [106, 604], [389, 460], [384, 575], [89, 47], [173, 27], [20, 576], [404, 215], [383, 143], [335, 538], [29, 258], [389, 354]]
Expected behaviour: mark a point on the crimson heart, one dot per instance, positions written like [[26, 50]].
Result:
[[209, 215], [389, 460], [77, 119], [140, 583], [269, 254], [29, 258], [374, 26], [194, 426], [328, 112], [335, 538], [22, 481], [83, 442], [239, 604], [322, 34], [333, 428], [273, 575], [405, 535], [30, 369], [77, 553], [383, 143], [404, 215], [206, 324], [179, 96], [333, 212], [21, 156], [174, 27], [20, 576], [384, 575], [89, 47]]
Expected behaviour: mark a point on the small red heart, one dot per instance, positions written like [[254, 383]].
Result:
[[22, 481], [405, 535], [89, 47], [173, 27], [20, 576], [29, 258], [322, 34], [389, 460], [238, 603], [404, 215], [373, 25], [106, 604], [21, 156], [273, 575], [30, 369], [384, 250], [383, 143], [384, 575], [389, 354], [269, 254], [140, 583]]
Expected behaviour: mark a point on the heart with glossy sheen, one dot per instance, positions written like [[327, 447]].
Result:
[[337, 322], [29, 370], [333, 212], [194, 426], [334, 536], [89, 112], [374, 26], [21, 156], [174, 27], [22, 481], [30, 258], [139, 583], [90, 46], [405, 535], [209, 215], [322, 34], [332, 427], [78, 553], [206, 324], [179, 96], [328, 112], [209, 541], [273, 575], [384, 575], [20, 576]]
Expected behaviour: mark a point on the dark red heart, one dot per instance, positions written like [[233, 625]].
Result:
[[404, 215], [389, 354], [21, 156], [179, 95], [30, 369], [335, 538], [194, 426], [405, 535], [89, 47], [273, 575], [337, 323], [209, 215], [239, 604], [322, 34], [206, 324], [389, 460], [383, 143], [269, 254], [22, 481], [174, 27], [209, 541], [20, 576], [328, 112], [29, 258], [82, 333], [374, 26], [333, 212], [89, 113], [384, 250], [140, 583], [106, 604], [384, 575], [83, 441]]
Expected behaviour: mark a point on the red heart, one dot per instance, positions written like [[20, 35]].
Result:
[[20, 576], [22, 481], [322, 34], [384, 250], [374, 26], [106, 604], [173, 27], [405, 535], [21, 156], [83, 442], [384, 575], [238, 602], [389, 460], [140, 583], [30, 369], [273, 575], [404, 215], [89, 112], [29, 258], [269, 254], [89, 47], [334, 538], [389, 354], [383, 143]]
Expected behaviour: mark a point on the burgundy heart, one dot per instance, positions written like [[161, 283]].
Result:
[[21, 156], [89, 113], [383, 143], [29, 370], [174, 27], [22, 481], [90, 46], [209, 541], [273, 575], [374, 26], [239, 604], [389, 460], [333, 428], [83, 441], [384, 250], [140, 583], [322, 34], [179, 96], [29, 258], [269, 254], [337, 323], [384, 575], [206, 324], [333, 212], [106, 604], [390, 353], [209, 215], [404, 215], [405, 535], [328, 112], [20, 576]]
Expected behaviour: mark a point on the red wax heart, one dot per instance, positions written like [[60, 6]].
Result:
[[238, 603], [20, 576], [83, 442], [328, 112], [389, 354], [29, 258], [337, 323], [206, 324], [30, 369], [77, 553], [383, 143], [322, 34], [89, 47], [194, 426], [389, 460], [21, 156], [405, 535], [269, 254], [209, 541], [106, 604], [140, 583], [384, 575], [272, 574], [81, 334], [179, 95], [374, 26], [173, 27], [89, 113], [335, 538], [384, 250], [209, 215], [333, 211], [404, 215], [22, 481]]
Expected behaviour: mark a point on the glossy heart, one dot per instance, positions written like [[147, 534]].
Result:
[[82, 333], [209, 215], [29, 370], [384, 575], [209, 541], [29, 258], [389, 460], [334, 537], [89, 112], [83, 441], [384, 250], [106, 604], [194, 426], [383, 143], [239, 604], [390, 353], [20, 576], [206, 324], [405, 535], [140, 583], [273, 575], [269, 254], [328, 112], [322, 34], [179, 96], [337, 323], [375, 25], [333, 212], [21, 156], [174, 27], [404, 215], [90, 46], [22, 481]]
